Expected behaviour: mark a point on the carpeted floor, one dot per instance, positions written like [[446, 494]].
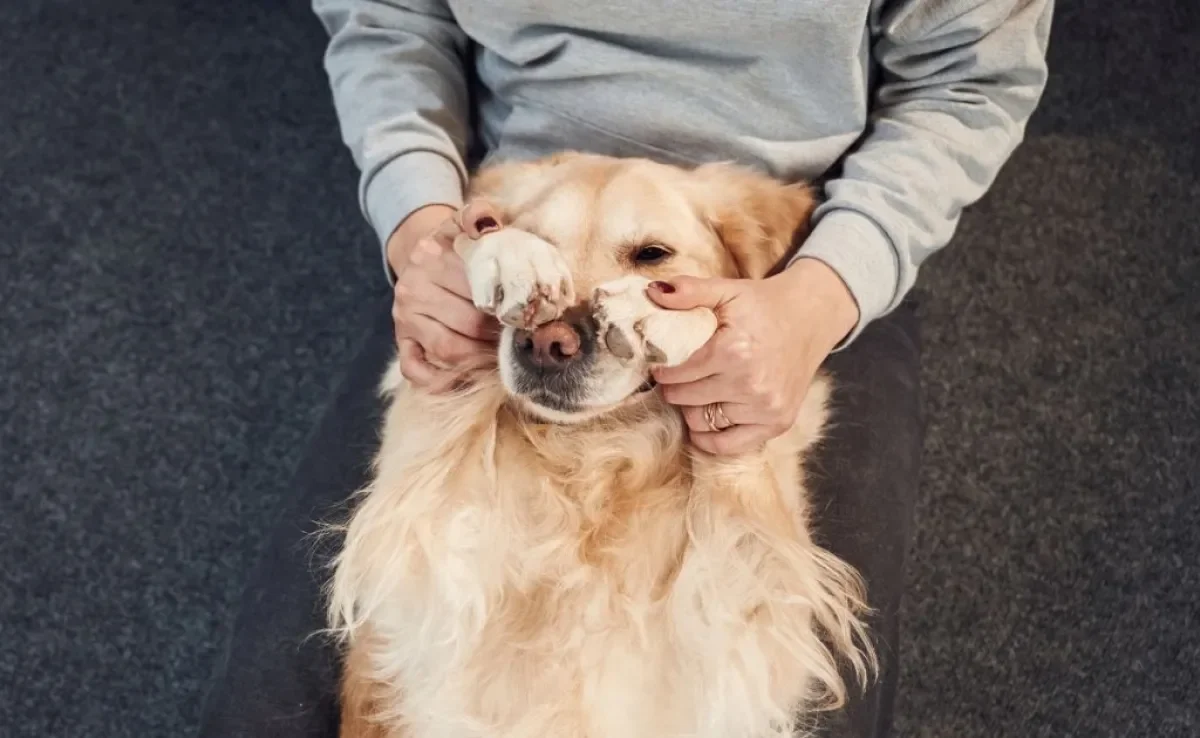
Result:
[[183, 270]]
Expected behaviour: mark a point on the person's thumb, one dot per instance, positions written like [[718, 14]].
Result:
[[685, 293]]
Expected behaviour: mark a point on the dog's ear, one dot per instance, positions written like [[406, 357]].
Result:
[[759, 219]]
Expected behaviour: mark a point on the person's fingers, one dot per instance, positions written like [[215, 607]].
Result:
[[414, 367], [426, 255], [458, 314], [705, 362], [731, 413], [424, 375], [397, 322], [685, 293], [736, 440], [435, 254], [432, 262], [480, 217], [445, 233], [452, 274], [716, 388], [442, 347]]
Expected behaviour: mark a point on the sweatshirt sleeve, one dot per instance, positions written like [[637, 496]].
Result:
[[398, 77], [958, 81]]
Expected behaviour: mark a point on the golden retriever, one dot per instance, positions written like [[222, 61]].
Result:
[[540, 554]]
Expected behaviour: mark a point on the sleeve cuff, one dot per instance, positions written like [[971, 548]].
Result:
[[854, 247], [406, 184]]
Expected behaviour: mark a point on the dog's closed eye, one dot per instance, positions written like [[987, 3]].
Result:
[[650, 254]]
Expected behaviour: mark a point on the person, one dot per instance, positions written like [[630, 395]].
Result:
[[903, 111]]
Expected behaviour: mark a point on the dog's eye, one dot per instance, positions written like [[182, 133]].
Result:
[[650, 254]]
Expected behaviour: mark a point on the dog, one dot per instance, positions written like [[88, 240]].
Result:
[[540, 554]]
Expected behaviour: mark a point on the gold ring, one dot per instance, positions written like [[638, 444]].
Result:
[[712, 412]]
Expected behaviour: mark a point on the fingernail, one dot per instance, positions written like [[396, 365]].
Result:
[[664, 287]]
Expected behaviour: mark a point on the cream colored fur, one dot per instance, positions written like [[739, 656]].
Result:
[[507, 577]]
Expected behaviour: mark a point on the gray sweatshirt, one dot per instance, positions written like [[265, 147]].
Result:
[[905, 109]]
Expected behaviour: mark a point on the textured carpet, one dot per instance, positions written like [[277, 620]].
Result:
[[183, 271]]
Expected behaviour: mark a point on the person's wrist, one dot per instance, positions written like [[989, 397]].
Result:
[[819, 291], [420, 223]]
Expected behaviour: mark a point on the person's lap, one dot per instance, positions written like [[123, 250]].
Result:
[[279, 676]]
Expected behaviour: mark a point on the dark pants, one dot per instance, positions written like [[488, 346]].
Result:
[[278, 679]]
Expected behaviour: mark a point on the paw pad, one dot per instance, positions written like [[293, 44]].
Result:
[[618, 343]]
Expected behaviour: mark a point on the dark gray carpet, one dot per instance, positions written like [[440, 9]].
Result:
[[183, 271]]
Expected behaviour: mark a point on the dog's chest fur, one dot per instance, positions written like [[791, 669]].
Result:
[[523, 585]]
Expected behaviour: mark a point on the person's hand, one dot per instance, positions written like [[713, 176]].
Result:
[[753, 374], [440, 334]]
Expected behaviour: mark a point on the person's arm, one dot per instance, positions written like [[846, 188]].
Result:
[[958, 82], [397, 72]]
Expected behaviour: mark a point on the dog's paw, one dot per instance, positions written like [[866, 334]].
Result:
[[636, 330], [517, 277]]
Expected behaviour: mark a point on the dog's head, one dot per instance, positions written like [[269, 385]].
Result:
[[612, 218]]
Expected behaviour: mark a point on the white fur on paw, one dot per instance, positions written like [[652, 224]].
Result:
[[518, 277], [637, 330]]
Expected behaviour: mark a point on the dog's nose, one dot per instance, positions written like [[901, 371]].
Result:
[[552, 345], [562, 344]]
